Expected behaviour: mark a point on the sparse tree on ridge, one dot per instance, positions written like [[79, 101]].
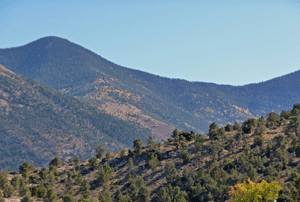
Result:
[[100, 151]]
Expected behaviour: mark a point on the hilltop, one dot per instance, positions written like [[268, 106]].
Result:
[[187, 167], [38, 123], [157, 103]]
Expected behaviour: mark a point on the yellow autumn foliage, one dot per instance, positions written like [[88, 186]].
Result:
[[255, 192]]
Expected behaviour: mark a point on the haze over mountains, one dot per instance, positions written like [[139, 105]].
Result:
[[133, 95]]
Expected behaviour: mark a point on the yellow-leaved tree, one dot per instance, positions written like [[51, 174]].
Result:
[[249, 191]]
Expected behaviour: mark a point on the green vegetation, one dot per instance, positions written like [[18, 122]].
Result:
[[188, 167], [255, 162], [39, 123], [79, 72]]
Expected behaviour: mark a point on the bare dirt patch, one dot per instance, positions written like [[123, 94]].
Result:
[[130, 113]]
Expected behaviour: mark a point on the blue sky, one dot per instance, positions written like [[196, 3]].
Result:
[[224, 42]]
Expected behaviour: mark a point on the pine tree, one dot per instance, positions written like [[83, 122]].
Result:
[[107, 155], [105, 196], [51, 195], [100, 151], [69, 197], [24, 190], [3, 180], [85, 189], [15, 181]]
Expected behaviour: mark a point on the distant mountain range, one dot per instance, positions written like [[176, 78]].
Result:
[[38, 123], [139, 97]]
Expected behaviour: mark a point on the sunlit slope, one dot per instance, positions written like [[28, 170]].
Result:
[[74, 70], [38, 123]]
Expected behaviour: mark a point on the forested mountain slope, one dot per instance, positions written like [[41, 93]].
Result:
[[188, 167], [76, 71], [38, 123]]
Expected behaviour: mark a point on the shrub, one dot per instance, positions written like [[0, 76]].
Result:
[[297, 150], [171, 172], [85, 189], [137, 144], [122, 154], [56, 162], [198, 147], [259, 141], [15, 182], [25, 168], [249, 125], [93, 163], [152, 161], [250, 191], [236, 126], [24, 190], [100, 151], [107, 155], [185, 156], [104, 173], [43, 173], [228, 128], [8, 191], [3, 180]]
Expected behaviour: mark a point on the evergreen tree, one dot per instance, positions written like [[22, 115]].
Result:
[[228, 128], [171, 172], [8, 190], [107, 155], [236, 126], [25, 168], [56, 162], [122, 154], [105, 196], [15, 181], [1, 196], [249, 125], [79, 178], [43, 173], [295, 124], [100, 151], [104, 173], [185, 156], [130, 163], [259, 141], [213, 131], [26, 199], [51, 195], [24, 190], [76, 162], [144, 194], [152, 161], [119, 197], [42, 191], [198, 147], [69, 197], [85, 189], [150, 142], [51, 178], [93, 163]]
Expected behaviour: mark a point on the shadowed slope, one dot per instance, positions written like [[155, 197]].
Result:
[[38, 123]]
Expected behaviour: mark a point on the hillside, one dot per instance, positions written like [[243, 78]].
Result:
[[38, 123], [187, 167], [167, 103]]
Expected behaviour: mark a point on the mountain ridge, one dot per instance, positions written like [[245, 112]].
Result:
[[38, 123], [183, 104]]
